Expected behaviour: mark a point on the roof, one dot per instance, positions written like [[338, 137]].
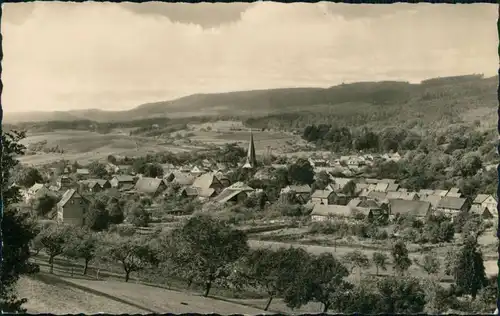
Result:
[[330, 210], [66, 197], [401, 195], [480, 198], [339, 183], [298, 188], [441, 192], [377, 195], [433, 199], [205, 180], [227, 195], [392, 187], [35, 187], [354, 202], [450, 202], [183, 179], [321, 194], [83, 171], [240, 186], [148, 185], [381, 187], [418, 208], [124, 178], [425, 192]]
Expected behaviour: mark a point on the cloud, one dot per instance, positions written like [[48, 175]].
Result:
[[107, 56]]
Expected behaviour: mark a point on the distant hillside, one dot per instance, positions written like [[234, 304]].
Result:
[[438, 99]]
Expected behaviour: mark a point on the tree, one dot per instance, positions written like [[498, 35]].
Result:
[[28, 177], [112, 159], [97, 217], [468, 271], [133, 253], [82, 244], [212, 245], [115, 211], [138, 215], [380, 260], [153, 170], [301, 172], [321, 281], [17, 229], [357, 259], [401, 295], [98, 170], [322, 180], [431, 263], [474, 226], [54, 240], [43, 204], [400, 257], [273, 270], [349, 188]]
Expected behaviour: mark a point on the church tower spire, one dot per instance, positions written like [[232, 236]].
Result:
[[251, 157]]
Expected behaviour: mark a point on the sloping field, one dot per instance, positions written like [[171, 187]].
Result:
[[48, 296], [87, 146], [60, 295]]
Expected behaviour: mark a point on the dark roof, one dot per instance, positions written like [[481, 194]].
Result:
[[418, 208], [451, 202]]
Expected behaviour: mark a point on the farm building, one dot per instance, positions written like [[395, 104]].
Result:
[[433, 199], [321, 212], [322, 197], [486, 201], [150, 186], [409, 207], [453, 205], [454, 192], [71, 208], [402, 195], [120, 181], [208, 181]]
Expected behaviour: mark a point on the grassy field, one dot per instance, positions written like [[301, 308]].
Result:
[[63, 292], [87, 146]]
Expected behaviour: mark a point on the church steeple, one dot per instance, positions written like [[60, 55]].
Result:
[[251, 158]]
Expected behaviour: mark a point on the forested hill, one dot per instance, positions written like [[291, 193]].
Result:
[[447, 99]]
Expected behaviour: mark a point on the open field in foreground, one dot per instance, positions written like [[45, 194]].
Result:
[[61, 295]]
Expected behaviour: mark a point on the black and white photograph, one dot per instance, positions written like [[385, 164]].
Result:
[[249, 158]]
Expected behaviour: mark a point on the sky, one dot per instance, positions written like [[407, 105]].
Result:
[[116, 56]]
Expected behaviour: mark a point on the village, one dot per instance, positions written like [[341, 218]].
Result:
[[209, 183]]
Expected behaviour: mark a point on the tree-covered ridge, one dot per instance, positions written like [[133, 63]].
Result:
[[431, 103]]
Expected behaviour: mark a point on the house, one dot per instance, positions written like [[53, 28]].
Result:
[[486, 201], [453, 205], [381, 187], [96, 185], [195, 171], [71, 208], [194, 192], [183, 179], [322, 197], [35, 190], [403, 207], [392, 187], [83, 173], [322, 212], [223, 179], [300, 192], [228, 195], [432, 198], [208, 181], [119, 181], [150, 186], [454, 192], [235, 193], [379, 196], [64, 182], [402, 195]]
